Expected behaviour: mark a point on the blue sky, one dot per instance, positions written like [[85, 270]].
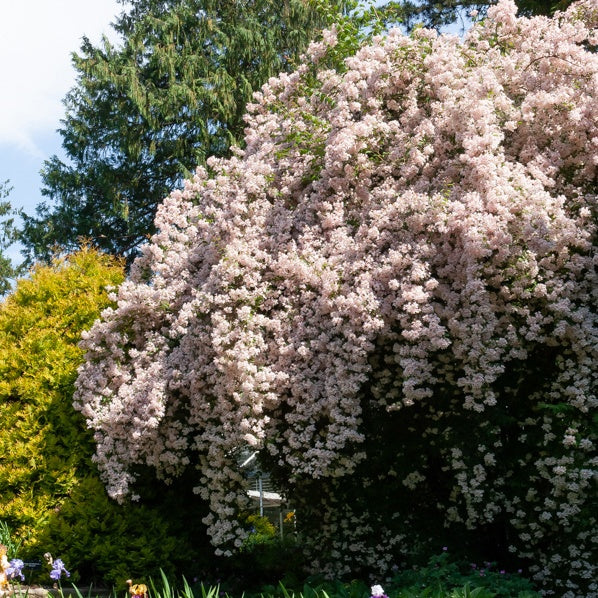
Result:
[[37, 38]]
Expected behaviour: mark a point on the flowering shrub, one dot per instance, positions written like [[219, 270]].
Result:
[[51, 493], [391, 294]]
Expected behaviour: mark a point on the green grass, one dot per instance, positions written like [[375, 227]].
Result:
[[441, 577], [439, 587], [167, 590]]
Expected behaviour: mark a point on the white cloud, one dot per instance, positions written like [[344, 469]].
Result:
[[37, 38]]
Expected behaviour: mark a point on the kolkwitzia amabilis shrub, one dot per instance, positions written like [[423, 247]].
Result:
[[392, 294]]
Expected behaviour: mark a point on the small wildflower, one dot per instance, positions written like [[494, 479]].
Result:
[[58, 569], [137, 590], [15, 569], [378, 592]]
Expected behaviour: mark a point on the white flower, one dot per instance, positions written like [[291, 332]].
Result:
[[377, 591]]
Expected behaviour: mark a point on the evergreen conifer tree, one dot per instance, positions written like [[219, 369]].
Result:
[[146, 111], [436, 14], [8, 234]]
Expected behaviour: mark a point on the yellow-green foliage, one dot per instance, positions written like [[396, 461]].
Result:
[[261, 526], [50, 493], [43, 445]]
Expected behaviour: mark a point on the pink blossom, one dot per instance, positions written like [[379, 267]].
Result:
[[406, 235]]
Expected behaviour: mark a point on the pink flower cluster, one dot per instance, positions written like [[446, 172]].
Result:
[[434, 204]]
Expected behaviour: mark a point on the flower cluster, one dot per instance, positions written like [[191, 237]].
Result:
[[137, 590], [378, 592], [15, 570], [403, 257], [58, 569]]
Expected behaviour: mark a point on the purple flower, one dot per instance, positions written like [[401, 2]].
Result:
[[15, 569], [57, 569]]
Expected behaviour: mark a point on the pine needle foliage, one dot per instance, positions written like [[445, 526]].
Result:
[[45, 450], [437, 14], [147, 110], [8, 234], [42, 446]]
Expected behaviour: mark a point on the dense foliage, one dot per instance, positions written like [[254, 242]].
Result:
[[52, 498], [148, 110], [439, 578], [441, 13], [8, 234], [391, 294], [171, 92]]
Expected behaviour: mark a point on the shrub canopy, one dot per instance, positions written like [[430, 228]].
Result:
[[391, 294], [52, 497], [146, 110]]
